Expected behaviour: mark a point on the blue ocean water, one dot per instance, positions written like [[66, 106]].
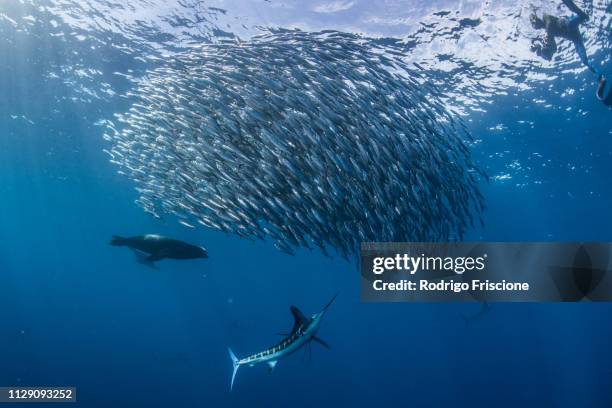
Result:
[[76, 311]]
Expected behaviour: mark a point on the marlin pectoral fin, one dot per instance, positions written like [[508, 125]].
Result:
[[321, 342], [271, 365]]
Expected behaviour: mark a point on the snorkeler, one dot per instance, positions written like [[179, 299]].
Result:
[[567, 28], [601, 88]]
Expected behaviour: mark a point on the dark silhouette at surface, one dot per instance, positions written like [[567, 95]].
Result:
[[561, 27], [601, 90]]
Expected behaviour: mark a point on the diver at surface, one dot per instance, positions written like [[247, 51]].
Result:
[[601, 89], [563, 27]]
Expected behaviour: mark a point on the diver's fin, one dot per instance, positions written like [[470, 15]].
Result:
[[321, 342], [235, 366], [298, 318], [271, 365], [573, 7]]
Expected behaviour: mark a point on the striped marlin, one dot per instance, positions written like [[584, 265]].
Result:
[[303, 332]]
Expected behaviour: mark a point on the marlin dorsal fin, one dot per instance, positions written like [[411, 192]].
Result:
[[298, 318]]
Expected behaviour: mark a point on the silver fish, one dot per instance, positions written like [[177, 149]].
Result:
[[310, 139]]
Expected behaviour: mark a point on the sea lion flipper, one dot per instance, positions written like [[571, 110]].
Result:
[[143, 258], [156, 256]]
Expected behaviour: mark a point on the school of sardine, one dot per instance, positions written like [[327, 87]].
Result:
[[312, 139]]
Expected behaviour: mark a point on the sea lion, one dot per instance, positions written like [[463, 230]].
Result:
[[151, 248]]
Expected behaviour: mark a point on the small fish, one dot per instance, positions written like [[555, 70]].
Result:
[[311, 139]]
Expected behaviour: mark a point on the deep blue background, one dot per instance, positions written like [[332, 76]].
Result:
[[76, 311]]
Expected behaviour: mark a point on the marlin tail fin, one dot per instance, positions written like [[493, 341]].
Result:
[[235, 364]]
